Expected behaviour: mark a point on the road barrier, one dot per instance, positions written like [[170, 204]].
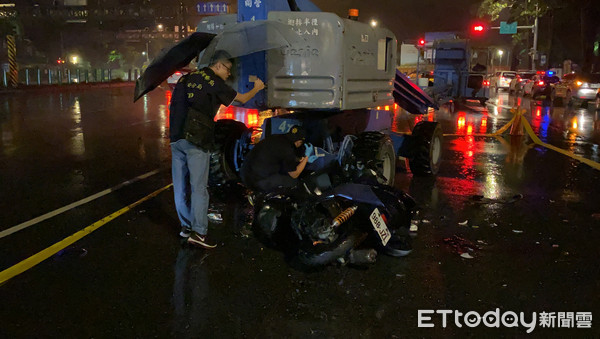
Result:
[[35, 76]]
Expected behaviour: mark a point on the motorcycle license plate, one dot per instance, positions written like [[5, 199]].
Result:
[[380, 227]]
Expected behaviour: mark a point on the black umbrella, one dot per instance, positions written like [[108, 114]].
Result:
[[166, 64]]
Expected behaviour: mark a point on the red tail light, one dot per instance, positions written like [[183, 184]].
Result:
[[540, 83], [177, 73], [486, 83]]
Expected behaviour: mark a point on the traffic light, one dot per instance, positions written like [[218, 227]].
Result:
[[478, 29], [421, 42]]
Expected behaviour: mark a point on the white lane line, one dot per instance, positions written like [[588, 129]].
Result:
[[73, 205]]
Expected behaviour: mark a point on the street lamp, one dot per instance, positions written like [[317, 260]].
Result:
[[160, 27], [74, 59], [374, 23], [500, 53]]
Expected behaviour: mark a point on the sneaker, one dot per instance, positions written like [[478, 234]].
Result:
[[185, 232], [200, 240]]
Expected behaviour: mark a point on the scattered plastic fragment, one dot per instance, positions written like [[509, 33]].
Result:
[[400, 275], [517, 231], [555, 246], [246, 232], [425, 221], [71, 251], [216, 217], [466, 256], [474, 226], [464, 223], [493, 224], [413, 228], [552, 201], [481, 242]]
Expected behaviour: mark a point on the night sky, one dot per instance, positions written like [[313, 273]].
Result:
[[409, 19]]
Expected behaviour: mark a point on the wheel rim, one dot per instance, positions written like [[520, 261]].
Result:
[[387, 169]]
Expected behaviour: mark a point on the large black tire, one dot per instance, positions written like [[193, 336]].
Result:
[[426, 148], [222, 161], [375, 150], [272, 224]]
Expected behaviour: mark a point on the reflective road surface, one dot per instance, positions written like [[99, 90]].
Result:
[[506, 226]]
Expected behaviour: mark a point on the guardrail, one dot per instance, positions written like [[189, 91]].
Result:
[[65, 76]]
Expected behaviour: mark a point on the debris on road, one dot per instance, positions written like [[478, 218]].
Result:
[[464, 223], [480, 199], [71, 252], [517, 231], [466, 256], [461, 245], [215, 217]]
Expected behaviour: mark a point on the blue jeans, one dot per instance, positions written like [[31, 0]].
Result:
[[190, 166]]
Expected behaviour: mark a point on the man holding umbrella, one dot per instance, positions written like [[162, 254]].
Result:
[[194, 104]]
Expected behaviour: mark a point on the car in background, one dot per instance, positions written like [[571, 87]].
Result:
[[502, 79], [517, 83], [174, 78], [578, 89], [540, 85]]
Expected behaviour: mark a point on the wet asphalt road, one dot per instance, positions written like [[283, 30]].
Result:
[[532, 221]]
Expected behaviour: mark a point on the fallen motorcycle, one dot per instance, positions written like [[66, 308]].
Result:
[[335, 215]]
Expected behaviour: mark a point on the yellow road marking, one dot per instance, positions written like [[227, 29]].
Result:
[[83, 201], [37, 258]]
